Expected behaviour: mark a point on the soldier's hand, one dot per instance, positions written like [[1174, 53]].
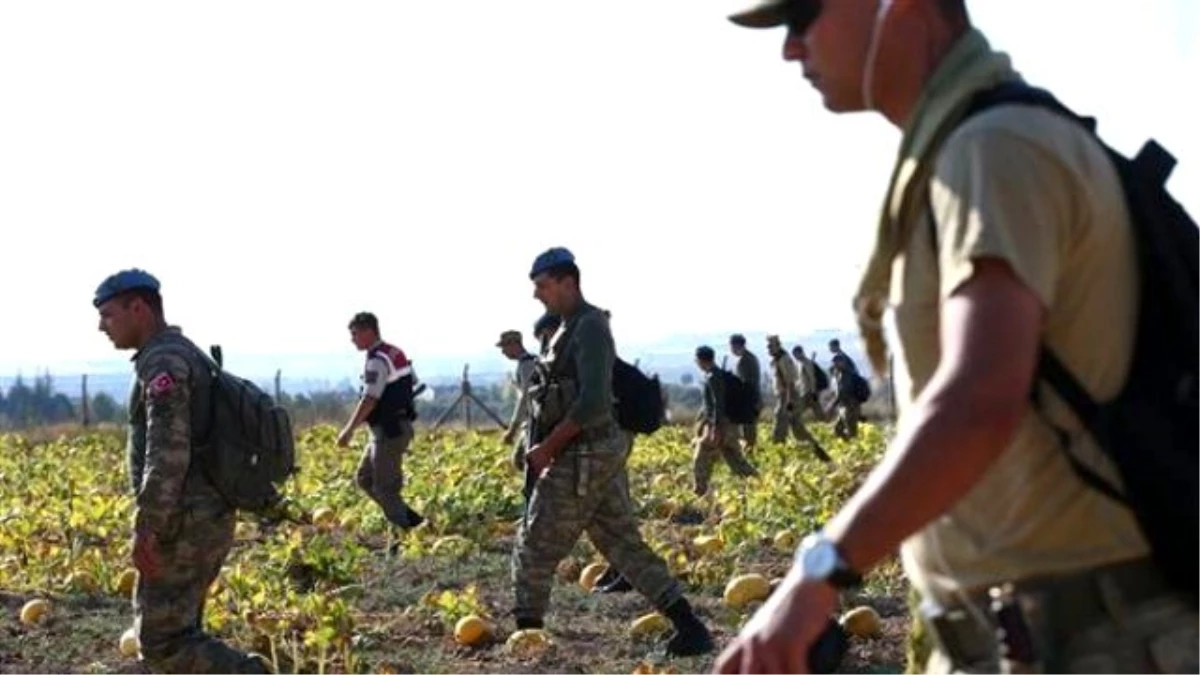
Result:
[[778, 637], [539, 459], [508, 436], [145, 554], [344, 436]]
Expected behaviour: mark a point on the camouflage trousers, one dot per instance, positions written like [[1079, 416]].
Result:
[[381, 472], [585, 490], [848, 416], [786, 420], [707, 453], [1118, 632], [812, 402], [750, 434], [168, 610]]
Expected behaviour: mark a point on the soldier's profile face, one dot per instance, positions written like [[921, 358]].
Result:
[[737, 350], [362, 337], [119, 321], [551, 292]]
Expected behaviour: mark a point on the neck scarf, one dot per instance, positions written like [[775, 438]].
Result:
[[969, 67]]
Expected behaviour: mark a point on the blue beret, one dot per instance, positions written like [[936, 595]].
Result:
[[550, 258], [125, 280]]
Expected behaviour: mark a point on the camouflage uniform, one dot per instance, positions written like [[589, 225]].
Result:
[[526, 365], [787, 413], [748, 370], [586, 489], [810, 398], [727, 444], [174, 501], [849, 410]]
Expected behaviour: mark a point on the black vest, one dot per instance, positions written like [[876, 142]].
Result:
[[395, 405]]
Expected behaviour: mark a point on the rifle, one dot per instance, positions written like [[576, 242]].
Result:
[[532, 437]]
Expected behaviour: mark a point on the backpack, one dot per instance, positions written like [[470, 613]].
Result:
[[820, 377], [638, 405], [1150, 429], [248, 448], [860, 388], [740, 402]]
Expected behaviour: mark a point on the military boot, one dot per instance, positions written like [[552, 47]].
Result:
[[691, 636], [612, 582]]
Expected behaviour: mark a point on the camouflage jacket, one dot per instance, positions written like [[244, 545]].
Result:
[[170, 389]]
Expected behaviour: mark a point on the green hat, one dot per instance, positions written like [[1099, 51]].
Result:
[[772, 13], [509, 336]]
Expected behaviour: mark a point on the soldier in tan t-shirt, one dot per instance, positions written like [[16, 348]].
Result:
[[1019, 236], [787, 405]]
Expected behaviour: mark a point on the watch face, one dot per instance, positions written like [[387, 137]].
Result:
[[821, 559]]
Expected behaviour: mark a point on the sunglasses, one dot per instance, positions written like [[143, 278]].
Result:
[[801, 14]]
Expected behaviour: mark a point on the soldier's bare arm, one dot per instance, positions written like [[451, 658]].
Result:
[[166, 383], [374, 382], [961, 422]]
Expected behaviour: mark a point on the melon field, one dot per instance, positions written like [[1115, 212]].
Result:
[[343, 592]]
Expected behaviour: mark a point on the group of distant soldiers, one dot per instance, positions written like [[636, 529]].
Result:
[[572, 448], [1007, 256]]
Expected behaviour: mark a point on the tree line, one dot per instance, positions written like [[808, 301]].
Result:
[[37, 403]]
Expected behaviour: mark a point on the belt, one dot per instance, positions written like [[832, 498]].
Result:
[[1065, 604]]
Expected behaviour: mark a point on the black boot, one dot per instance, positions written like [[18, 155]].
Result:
[[525, 623], [610, 575], [691, 637], [414, 518], [618, 585]]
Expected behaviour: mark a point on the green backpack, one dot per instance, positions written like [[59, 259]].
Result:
[[248, 450]]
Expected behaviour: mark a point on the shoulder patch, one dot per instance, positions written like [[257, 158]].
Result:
[[160, 384], [371, 376]]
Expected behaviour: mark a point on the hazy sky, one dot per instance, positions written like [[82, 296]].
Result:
[[282, 165]]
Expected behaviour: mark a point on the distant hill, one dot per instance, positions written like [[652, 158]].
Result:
[[670, 358]]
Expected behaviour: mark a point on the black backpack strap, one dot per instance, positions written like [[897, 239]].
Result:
[[1055, 372], [1023, 93], [1049, 367]]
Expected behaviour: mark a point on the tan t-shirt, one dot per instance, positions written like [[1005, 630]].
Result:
[[1024, 185]]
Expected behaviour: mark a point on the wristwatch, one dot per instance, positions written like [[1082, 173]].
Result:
[[820, 559]]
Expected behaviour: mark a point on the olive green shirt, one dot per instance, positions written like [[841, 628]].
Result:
[[714, 398], [587, 358]]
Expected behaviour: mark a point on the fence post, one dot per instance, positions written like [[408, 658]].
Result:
[[83, 396], [278, 387]]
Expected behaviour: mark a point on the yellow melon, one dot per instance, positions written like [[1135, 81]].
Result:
[[528, 643], [129, 643], [862, 622], [34, 611], [324, 517], [649, 624], [590, 574], [746, 588], [471, 630]]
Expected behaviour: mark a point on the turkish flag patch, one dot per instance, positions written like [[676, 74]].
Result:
[[160, 384]]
